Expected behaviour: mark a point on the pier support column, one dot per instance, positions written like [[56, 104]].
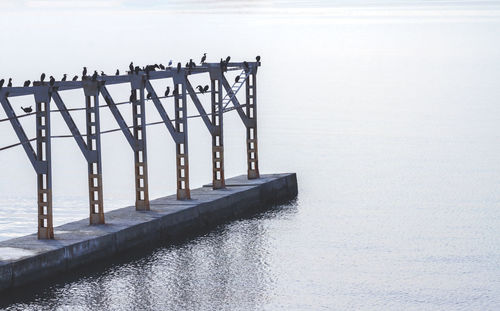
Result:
[[218, 180], [43, 157], [251, 112], [140, 153], [96, 204], [182, 158]]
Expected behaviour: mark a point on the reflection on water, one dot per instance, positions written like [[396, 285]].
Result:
[[388, 113]]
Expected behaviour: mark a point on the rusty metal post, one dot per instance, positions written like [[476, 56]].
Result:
[[251, 112], [96, 204], [218, 180], [140, 153], [43, 155], [182, 158]]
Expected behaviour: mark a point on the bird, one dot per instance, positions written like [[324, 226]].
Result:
[[64, 77], [169, 63], [200, 88], [102, 73], [132, 96], [203, 58], [179, 67], [157, 66], [117, 72], [167, 91], [236, 79], [27, 83], [1, 83], [52, 81], [131, 66], [84, 73], [27, 109], [205, 88], [149, 96], [258, 58], [42, 77], [74, 78], [94, 76], [245, 64], [10, 82], [228, 59], [137, 69], [176, 91], [162, 67]]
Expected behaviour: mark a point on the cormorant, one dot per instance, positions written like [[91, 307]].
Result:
[[1, 83], [137, 69], [64, 77], [94, 76], [237, 79], [179, 67], [258, 58], [205, 88], [169, 63], [117, 72], [167, 91], [200, 88], [203, 58], [102, 73], [27, 109], [10, 82], [228, 59], [149, 96], [74, 78], [131, 67], [42, 77], [176, 91], [162, 67], [52, 81], [132, 96], [84, 73], [27, 83]]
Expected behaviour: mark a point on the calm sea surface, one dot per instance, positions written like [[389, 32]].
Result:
[[389, 112]]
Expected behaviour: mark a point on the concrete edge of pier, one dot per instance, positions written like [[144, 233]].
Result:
[[26, 259]]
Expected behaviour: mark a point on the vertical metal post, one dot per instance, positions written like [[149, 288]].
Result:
[[218, 180], [96, 203], [140, 153], [183, 192], [251, 112], [43, 155]]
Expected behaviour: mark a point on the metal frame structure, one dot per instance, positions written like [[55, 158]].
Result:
[[139, 82]]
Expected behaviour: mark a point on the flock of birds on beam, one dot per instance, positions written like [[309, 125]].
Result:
[[134, 69]]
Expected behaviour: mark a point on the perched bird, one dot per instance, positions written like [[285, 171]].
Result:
[[176, 91], [236, 79], [167, 91], [10, 82], [74, 78], [52, 81], [170, 63], [157, 66], [131, 66], [102, 73], [27, 83], [149, 96], [42, 77], [258, 58], [137, 69], [117, 72], [84, 73], [179, 67], [27, 109], [203, 58], [191, 64], [187, 65], [201, 89], [162, 67], [64, 77], [205, 88], [245, 64], [228, 59], [94, 76], [1, 83], [132, 97]]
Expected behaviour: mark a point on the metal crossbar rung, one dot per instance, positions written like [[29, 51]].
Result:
[[181, 179], [43, 217], [40, 204], [251, 141], [252, 160], [94, 175]]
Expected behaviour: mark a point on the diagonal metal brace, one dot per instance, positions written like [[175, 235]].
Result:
[[90, 156], [39, 166], [246, 120], [178, 138], [199, 106], [119, 118]]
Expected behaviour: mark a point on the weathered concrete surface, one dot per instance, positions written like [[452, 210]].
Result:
[[26, 259]]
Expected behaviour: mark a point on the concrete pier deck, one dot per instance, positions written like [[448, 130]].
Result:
[[27, 259]]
